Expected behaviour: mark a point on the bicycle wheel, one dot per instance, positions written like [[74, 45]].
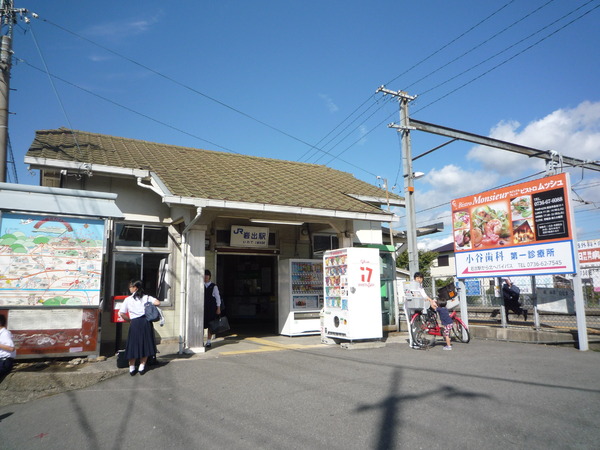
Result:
[[419, 331], [457, 331]]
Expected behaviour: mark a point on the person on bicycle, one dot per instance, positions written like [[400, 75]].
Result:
[[446, 321], [418, 277]]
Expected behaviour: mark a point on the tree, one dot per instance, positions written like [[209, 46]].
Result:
[[426, 259]]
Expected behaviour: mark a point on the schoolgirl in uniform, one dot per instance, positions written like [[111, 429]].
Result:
[[140, 340]]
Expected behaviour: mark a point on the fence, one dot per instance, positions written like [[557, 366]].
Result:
[[547, 298]]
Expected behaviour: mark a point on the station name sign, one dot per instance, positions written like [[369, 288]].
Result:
[[244, 236]]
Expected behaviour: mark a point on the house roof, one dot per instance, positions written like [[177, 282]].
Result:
[[445, 248], [206, 174]]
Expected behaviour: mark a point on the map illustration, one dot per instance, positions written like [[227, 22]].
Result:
[[50, 260]]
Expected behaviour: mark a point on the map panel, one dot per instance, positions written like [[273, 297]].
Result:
[[50, 260]]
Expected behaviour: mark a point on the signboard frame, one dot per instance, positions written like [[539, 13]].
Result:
[[520, 230]]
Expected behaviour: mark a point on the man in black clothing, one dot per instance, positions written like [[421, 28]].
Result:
[[511, 294], [212, 304]]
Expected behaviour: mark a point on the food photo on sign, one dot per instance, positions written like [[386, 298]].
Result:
[[490, 225]]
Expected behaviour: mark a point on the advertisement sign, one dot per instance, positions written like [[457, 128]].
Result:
[[523, 229], [244, 236]]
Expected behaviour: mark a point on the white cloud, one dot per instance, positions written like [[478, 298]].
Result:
[[431, 243], [331, 106], [571, 132], [99, 58], [119, 29], [452, 181]]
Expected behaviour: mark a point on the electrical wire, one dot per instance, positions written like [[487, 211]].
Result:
[[336, 127], [506, 60], [344, 129], [183, 85], [146, 116], [11, 161], [62, 106], [454, 60], [451, 42], [487, 59]]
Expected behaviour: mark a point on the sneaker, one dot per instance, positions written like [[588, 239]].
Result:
[[447, 347]]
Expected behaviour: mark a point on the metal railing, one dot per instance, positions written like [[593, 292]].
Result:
[[548, 300]]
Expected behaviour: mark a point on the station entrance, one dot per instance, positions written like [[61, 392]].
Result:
[[248, 286]]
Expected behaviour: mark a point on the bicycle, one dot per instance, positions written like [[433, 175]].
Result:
[[423, 325]]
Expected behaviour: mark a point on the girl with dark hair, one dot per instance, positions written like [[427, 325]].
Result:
[[140, 340]]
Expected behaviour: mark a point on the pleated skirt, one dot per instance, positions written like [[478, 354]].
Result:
[[140, 341]]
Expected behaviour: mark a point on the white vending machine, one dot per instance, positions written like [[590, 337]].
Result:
[[300, 296], [352, 294]]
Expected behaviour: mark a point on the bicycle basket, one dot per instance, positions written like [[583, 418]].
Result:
[[447, 292]]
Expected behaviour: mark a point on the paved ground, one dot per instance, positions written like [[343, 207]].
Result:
[[285, 393]]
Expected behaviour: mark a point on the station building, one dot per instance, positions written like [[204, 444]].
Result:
[[185, 210]]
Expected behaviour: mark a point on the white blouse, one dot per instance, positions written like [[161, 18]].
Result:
[[6, 339], [135, 306]]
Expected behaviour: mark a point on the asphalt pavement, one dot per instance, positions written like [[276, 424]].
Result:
[[293, 393]]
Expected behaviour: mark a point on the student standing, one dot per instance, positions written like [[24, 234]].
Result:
[[7, 349], [446, 322], [140, 340], [212, 304]]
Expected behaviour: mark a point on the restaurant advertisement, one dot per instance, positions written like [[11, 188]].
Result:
[[518, 230]]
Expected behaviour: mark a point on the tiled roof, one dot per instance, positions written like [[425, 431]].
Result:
[[191, 172], [445, 248]]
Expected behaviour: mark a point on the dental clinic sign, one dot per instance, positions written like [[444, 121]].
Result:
[[525, 229], [243, 236]]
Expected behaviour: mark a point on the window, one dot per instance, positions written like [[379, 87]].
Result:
[[322, 242], [141, 252], [128, 235], [443, 261]]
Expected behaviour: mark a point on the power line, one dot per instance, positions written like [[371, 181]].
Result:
[[183, 85], [62, 106], [450, 43], [336, 127], [478, 45], [146, 116], [506, 60]]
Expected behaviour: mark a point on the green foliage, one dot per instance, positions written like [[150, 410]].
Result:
[[441, 282], [426, 259]]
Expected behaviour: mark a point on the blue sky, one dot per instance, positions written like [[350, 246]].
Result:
[[279, 78]]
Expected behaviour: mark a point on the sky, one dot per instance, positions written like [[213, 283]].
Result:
[[297, 81]]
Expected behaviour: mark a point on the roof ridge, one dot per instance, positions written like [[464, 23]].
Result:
[[64, 130]]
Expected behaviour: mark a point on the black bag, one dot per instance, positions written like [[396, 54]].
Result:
[[219, 325], [122, 361], [447, 292], [151, 312]]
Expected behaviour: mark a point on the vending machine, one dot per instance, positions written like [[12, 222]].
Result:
[[352, 307], [300, 296]]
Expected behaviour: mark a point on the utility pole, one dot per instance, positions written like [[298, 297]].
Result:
[[409, 176], [8, 17]]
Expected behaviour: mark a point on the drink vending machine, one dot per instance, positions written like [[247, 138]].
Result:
[[352, 307], [300, 296]]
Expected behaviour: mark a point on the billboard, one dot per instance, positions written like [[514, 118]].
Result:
[[524, 229]]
